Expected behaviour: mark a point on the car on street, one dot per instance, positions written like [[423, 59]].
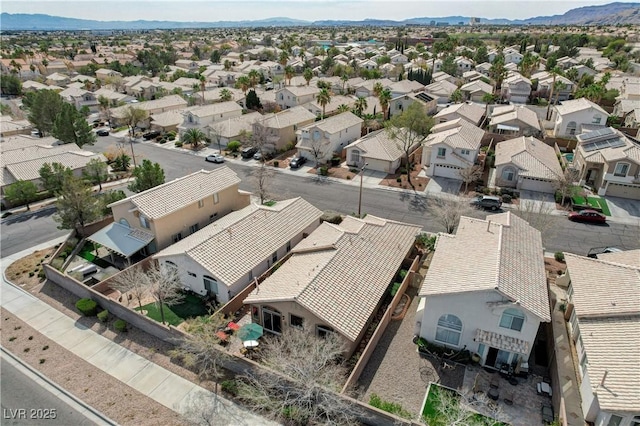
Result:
[[594, 252], [103, 132], [214, 158], [248, 152], [297, 162], [587, 216], [487, 202], [151, 135]]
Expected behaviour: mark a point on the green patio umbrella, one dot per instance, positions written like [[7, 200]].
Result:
[[251, 331]]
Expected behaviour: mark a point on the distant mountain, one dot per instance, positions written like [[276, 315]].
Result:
[[612, 13]]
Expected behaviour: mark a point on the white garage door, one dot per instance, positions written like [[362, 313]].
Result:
[[537, 185], [446, 171], [623, 191]]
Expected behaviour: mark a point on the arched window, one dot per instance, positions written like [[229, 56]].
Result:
[[170, 264], [512, 319], [355, 156], [508, 174], [449, 329], [124, 222]]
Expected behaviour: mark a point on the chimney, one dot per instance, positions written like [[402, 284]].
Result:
[[488, 225]]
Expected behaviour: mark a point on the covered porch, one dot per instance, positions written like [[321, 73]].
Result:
[[122, 240], [504, 353]]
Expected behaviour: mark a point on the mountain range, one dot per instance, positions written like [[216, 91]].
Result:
[[609, 14]]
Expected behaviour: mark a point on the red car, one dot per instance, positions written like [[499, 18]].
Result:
[[590, 216]]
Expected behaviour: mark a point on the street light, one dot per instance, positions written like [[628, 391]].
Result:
[[360, 196]]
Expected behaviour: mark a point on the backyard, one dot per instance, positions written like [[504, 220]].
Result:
[[438, 412], [192, 306]]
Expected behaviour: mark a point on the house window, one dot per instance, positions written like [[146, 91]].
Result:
[[596, 119], [583, 364], [200, 204], [614, 420], [210, 284], [250, 275], [355, 156], [216, 198], [621, 170], [213, 217], [176, 237], [323, 331], [288, 246], [508, 174], [191, 274], [465, 152], [449, 329], [442, 152], [194, 228], [296, 321], [635, 421], [274, 257], [571, 128], [512, 319], [271, 320], [144, 222], [481, 349]]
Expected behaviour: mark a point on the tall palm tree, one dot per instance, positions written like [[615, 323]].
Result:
[[193, 137], [308, 75], [360, 105], [555, 71], [202, 86], [323, 98], [456, 96], [377, 89], [254, 78], [225, 95], [385, 99], [344, 79], [289, 73], [284, 58], [243, 83]]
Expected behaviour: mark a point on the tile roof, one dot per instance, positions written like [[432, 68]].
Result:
[[626, 149], [171, 101], [340, 272], [301, 90], [213, 109], [233, 126], [168, 118], [238, 242], [626, 257], [575, 105], [30, 169], [288, 117], [469, 111], [510, 113], [172, 196], [534, 158], [477, 86], [503, 254], [457, 134], [335, 123], [378, 145]]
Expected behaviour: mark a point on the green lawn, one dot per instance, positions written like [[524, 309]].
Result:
[[434, 418], [192, 306], [598, 202]]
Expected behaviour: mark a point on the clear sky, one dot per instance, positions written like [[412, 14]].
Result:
[[235, 10]]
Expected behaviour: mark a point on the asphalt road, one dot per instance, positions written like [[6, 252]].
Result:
[[326, 195], [22, 231], [26, 402]]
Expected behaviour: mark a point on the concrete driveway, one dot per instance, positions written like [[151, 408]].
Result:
[[542, 201], [442, 184], [624, 207]]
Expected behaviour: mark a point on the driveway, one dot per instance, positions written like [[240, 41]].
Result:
[[624, 207], [542, 201], [442, 184]]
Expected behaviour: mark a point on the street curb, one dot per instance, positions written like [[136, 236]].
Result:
[[68, 398]]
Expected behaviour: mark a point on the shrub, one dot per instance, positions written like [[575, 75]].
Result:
[[324, 171], [234, 146], [348, 177], [335, 161], [486, 191], [402, 171], [178, 144], [398, 179], [559, 256], [394, 288], [120, 325], [506, 198], [558, 197], [163, 141], [88, 307], [276, 163], [171, 138], [229, 386], [389, 407], [403, 273], [171, 133], [354, 170], [31, 274], [103, 316]]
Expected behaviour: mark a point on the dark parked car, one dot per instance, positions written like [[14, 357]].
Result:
[[248, 152], [297, 162], [487, 202], [102, 132], [588, 216], [151, 135]]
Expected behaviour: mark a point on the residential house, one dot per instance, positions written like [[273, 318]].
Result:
[[494, 299], [400, 103], [443, 76], [399, 59], [11, 127], [158, 217], [368, 64], [451, 147], [632, 119], [378, 150], [584, 70], [609, 161], [404, 87], [328, 137], [167, 103], [223, 258], [476, 90], [34, 86], [604, 301], [483, 68], [232, 128], [366, 88], [80, 98], [332, 107], [526, 163], [516, 88], [224, 78], [576, 116], [471, 112], [441, 91], [463, 64], [106, 74], [202, 116], [622, 107], [546, 82], [292, 96], [167, 121], [514, 120], [512, 56], [188, 65], [283, 126], [114, 97], [58, 79], [327, 284], [473, 75], [215, 95]]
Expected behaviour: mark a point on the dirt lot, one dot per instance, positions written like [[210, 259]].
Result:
[[24, 272], [420, 183]]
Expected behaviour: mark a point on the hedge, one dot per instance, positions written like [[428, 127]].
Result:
[[88, 307]]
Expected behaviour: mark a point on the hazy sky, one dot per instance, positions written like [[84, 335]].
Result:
[[234, 10]]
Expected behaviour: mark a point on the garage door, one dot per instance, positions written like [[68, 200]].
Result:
[[623, 191], [446, 171], [537, 185]]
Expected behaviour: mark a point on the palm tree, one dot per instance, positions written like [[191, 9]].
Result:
[[343, 108], [554, 71], [385, 99], [284, 58], [377, 89], [289, 73], [456, 96], [572, 74], [344, 79], [243, 83], [225, 95], [45, 62], [360, 105], [193, 136], [323, 98], [254, 78], [308, 75], [202, 86], [558, 86], [104, 104]]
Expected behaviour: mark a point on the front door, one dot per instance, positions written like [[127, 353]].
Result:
[[491, 357]]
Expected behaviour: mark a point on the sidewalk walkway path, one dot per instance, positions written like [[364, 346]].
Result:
[[157, 383]]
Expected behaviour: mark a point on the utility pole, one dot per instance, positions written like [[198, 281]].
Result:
[[360, 196]]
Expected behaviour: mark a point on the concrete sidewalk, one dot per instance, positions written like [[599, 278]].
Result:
[[151, 380]]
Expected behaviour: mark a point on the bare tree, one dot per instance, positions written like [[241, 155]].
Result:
[[261, 178], [206, 409], [470, 174], [307, 374], [454, 409], [448, 210], [133, 281], [566, 183], [317, 150], [215, 136], [537, 213], [164, 286]]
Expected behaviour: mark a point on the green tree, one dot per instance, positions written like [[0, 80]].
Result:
[[21, 192], [253, 101], [96, 172], [456, 97], [289, 73], [44, 106], [53, 176], [254, 78], [148, 175], [409, 130], [225, 95], [104, 104], [83, 132], [323, 98], [385, 98], [243, 83], [76, 205], [194, 136], [63, 128], [109, 197], [307, 74], [449, 66], [132, 116], [215, 56], [11, 85], [360, 105]]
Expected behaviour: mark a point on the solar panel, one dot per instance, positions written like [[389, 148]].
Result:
[[602, 144], [597, 134], [423, 96]]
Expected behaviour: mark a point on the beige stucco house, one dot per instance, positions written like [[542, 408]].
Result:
[[514, 120], [335, 279], [378, 150], [577, 116], [202, 116], [292, 96], [282, 126], [328, 137]]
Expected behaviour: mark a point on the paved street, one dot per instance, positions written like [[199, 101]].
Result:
[[19, 232], [326, 195]]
